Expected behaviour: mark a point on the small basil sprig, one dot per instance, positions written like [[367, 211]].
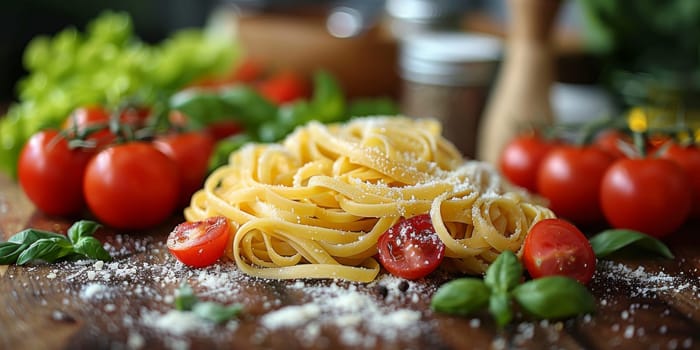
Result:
[[185, 300], [552, 297], [611, 241], [32, 244]]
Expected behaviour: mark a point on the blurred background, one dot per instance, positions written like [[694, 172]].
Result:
[[439, 58]]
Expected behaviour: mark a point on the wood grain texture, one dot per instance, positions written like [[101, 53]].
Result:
[[645, 303]]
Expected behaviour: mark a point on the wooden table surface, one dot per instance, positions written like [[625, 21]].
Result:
[[644, 303]]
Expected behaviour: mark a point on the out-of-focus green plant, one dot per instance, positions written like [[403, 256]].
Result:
[[650, 49]]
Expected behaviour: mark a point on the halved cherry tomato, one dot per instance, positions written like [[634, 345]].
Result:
[[51, 174], [651, 195], [200, 243], [191, 152], [521, 158], [284, 87], [569, 177], [411, 249], [556, 247], [132, 186]]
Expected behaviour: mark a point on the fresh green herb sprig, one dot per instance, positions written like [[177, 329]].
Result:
[[545, 298], [32, 245], [186, 300], [612, 241], [266, 122]]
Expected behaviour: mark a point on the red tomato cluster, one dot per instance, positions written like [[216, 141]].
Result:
[[279, 87], [597, 184], [129, 185]]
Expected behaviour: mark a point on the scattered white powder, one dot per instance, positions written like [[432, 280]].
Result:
[[381, 314], [291, 316], [176, 322], [94, 291], [645, 283], [135, 341]]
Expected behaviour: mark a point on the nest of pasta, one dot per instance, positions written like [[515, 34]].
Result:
[[314, 205]]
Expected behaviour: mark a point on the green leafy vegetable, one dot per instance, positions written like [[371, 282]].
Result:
[[500, 308], [548, 297], [91, 247], [82, 229], [266, 122], [240, 103], [185, 300], [30, 245], [216, 312], [504, 273], [610, 241], [461, 296], [554, 297], [371, 106], [46, 249], [108, 65]]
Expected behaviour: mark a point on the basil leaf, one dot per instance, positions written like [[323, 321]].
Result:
[[46, 249], [461, 296], [554, 297], [247, 104], [9, 251], [328, 100], [371, 106], [31, 235], [504, 273], [611, 241], [185, 298], [225, 147], [272, 131], [240, 103], [82, 228], [92, 248], [500, 308], [201, 107], [216, 312]]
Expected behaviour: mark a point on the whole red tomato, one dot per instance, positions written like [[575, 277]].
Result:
[[284, 87], [132, 186], [93, 120], [556, 247], [51, 174], [689, 159], [247, 71], [651, 195], [191, 152], [613, 141], [521, 158], [570, 177], [222, 129]]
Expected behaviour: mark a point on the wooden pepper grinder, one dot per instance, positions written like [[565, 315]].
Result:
[[522, 92]]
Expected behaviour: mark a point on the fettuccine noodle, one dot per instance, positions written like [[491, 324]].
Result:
[[314, 205]]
